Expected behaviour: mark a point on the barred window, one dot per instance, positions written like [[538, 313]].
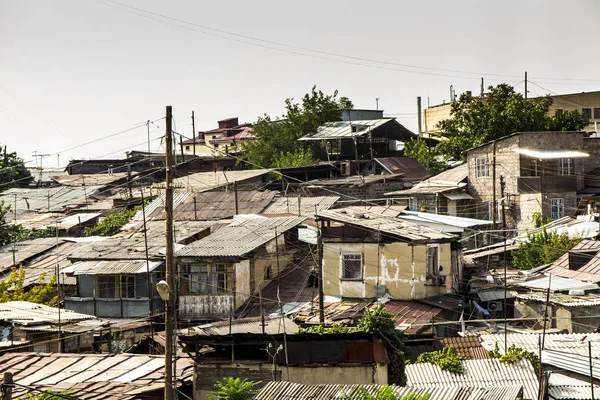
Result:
[[482, 167], [352, 266], [558, 208], [107, 286], [565, 166], [128, 286]]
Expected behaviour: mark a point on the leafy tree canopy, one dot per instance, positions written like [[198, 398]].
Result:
[[11, 289], [12, 171], [112, 223], [542, 248], [233, 389], [477, 120], [417, 148], [385, 392], [277, 139]]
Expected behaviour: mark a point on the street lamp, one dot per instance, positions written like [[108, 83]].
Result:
[[164, 291]]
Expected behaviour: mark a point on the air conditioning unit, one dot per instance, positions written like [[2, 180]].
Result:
[[494, 306]]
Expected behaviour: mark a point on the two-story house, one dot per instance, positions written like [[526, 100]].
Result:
[[227, 138], [220, 272], [534, 173], [369, 255]]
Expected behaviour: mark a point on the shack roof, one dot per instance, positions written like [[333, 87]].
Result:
[[586, 251], [91, 376], [477, 373], [288, 390], [408, 166], [240, 238], [130, 245], [449, 180], [24, 251], [92, 179], [112, 267], [558, 284], [388, 225], [469, 347], [273, 326], [58, 197], [351, 129], [204, 181], [300, 205], [26, 313]]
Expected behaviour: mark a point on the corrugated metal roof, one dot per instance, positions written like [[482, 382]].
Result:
[[90, 376], [26, 313], [60, 197], [478, 373], [589, 299], [385, 224], [346, 129], [469, 347], [558, 283], [451, 179], [304, 206], [239, 238], [491, 295], [297, 391], [571, 361], [91, 179], [273, 326], [458, 196], [204, 181], [561, 386], [158, 203], [589, 271], [411, 317], [461, 222], [111, 267], [25, 250], [408, 166]]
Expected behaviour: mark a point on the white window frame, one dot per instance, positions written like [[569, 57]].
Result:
[[362, 266], [482, 167], [557, 208], [565, 166]]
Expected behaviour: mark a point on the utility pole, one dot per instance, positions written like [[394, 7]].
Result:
[[169, 259], [193, 133], [482, 87], [320, 273], [7, 386], [148, 274], [525, 85], [377, 103], [419, 115], [41, 156], [504, 305], [148, 129], [494, 187]]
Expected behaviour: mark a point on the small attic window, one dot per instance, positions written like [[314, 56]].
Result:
[[578, 259]]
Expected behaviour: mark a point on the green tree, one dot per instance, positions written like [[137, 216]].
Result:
[[112, 223], [447, 359], [233, 389], [417, 148], [5, 229], [277, 144], [542, 248], [12, 171], [477, 120], [12, 289], [385, 392], [51, 395]]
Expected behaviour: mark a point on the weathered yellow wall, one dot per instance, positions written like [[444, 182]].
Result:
[[400, 267], [242, 282], [434, 115]]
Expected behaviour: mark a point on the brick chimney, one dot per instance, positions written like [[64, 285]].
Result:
[[228, 123]]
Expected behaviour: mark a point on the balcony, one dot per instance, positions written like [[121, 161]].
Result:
[[547, 184]]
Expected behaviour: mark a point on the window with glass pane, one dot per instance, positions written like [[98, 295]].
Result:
[[107, 286], [128, 286], [587, 113], [352, 266], [558, 208], [565, 166], [206, 279], [482, 168], [432, 261]]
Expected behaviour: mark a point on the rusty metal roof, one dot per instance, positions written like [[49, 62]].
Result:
[[411, 317], [91, 376], [300, 205], [26, 313], [288, 390], [25, 251], [404, 165], [91, 179], [240, 238], [204, 181], [387, 225]]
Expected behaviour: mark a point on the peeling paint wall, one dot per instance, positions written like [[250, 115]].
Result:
[[400, 267]]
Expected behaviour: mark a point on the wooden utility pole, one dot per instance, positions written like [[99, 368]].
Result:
[[525, 85], [320, 273], [148, 273], [193, 133], [419, 116], [7, 386], [235, 196], [148, 130], [169, 259]]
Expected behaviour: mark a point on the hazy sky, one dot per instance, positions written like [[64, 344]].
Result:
[[74, 71]]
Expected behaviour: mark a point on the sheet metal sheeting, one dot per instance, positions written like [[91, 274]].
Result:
[[239, 238], [478, 373], [204, 181], [346, 129], [586, 250], [303, 206], [111, 267], [273, 326], [159, 204], [569, 361], [215, 205], [557, 284], [298, 391], [92, 179], [61, 197], [25, 250], [26, 313], [452, 179], [131, 246], [589, 299], [411, 317], [561, 386], [43, 268], [91, 376], [492, 295], [572, 343], [405, 165], [384, 224]]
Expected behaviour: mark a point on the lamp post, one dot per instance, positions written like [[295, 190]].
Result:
[[164, 291]]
